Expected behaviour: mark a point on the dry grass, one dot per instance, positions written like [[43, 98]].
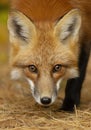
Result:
[[20, 116]]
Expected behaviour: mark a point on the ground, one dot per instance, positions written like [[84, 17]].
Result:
[[19, 111]]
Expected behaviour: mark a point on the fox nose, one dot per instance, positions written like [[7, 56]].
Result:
[[45, 100]]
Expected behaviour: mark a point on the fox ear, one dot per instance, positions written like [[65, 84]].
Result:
[[69, 25], [20, 27]]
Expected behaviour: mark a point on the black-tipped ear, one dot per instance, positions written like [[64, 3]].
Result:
[[69, 25], [19, 30], [20, 27]]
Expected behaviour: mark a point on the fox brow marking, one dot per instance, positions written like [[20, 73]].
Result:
[[21, 65]]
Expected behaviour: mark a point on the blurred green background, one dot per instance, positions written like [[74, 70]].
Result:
[[4, 8]]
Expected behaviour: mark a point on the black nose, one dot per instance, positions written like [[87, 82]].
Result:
[[45, 100]]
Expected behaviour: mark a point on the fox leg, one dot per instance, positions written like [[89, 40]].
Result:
[[73, 87]]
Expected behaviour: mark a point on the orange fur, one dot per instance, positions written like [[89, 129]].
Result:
[[42, 10], [85, 7], [51, 10]]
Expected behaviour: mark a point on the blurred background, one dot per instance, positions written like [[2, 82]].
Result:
[[4, 8]]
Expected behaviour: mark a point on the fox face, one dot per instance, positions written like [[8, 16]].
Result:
[[45, 53]]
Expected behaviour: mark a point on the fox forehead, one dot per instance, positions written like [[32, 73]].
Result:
[[46, 49], [49, 48]]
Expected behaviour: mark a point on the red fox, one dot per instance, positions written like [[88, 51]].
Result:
[[50, 42]]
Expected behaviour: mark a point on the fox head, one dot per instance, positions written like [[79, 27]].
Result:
[[45, 53]]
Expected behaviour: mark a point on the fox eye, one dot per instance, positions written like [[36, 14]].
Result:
[[32, 68], [57, 68]]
